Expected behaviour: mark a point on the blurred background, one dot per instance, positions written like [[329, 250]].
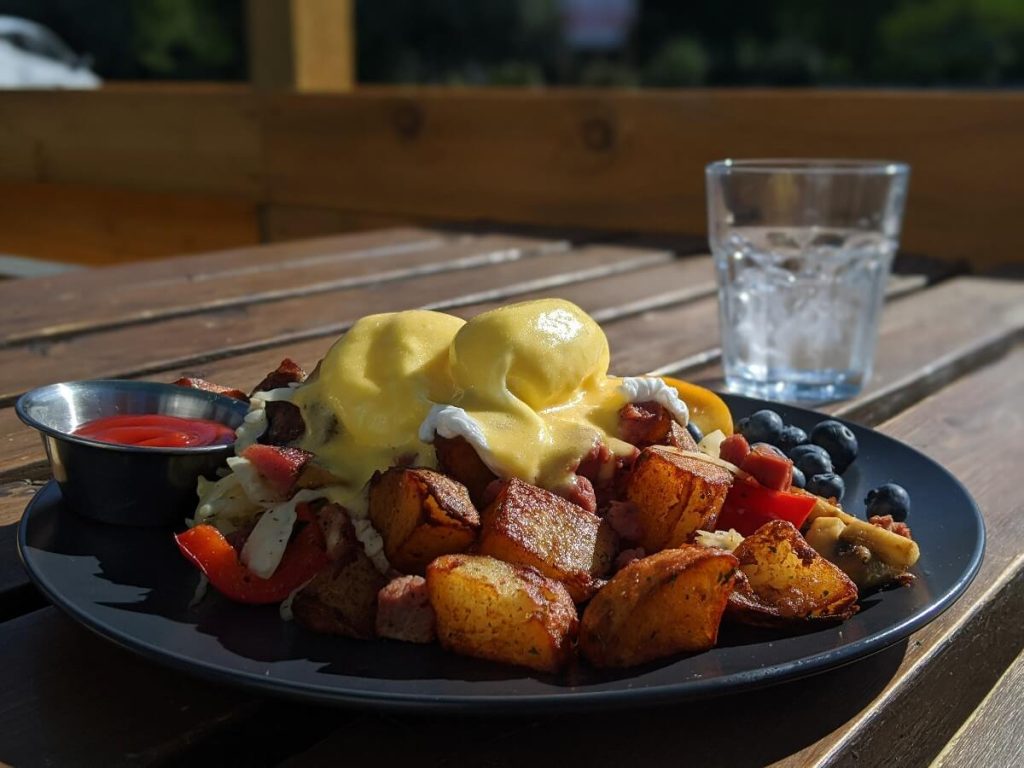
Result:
[[628, 43], [133, 129]]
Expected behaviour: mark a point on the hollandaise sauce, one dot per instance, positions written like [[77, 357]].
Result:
[[527, 385]]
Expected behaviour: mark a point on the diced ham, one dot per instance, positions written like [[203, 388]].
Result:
[[278, 467], [581, 493], [734, 449], [288, 372], [623, 518], [339, 535], [284, 423], [193, 382], [628, 556], [679, 437], [769, 466], [886, 522], [643, 424], [404, 611]]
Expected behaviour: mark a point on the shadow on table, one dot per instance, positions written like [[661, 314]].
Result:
[[754, 728]]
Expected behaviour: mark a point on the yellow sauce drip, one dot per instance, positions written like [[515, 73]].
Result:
[[533, 376]]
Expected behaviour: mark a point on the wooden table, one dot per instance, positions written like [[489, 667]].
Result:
[[949, 377]]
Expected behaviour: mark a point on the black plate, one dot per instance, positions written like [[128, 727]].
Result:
[[132, 587]]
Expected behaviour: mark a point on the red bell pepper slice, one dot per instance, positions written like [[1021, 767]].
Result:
[[209, 551], [750, 505]]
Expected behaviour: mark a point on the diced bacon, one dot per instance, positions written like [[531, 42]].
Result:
[[278, 467], [404, 611], [288, 372], [623, 518], [193, 382]]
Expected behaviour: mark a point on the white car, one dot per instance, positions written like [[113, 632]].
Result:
[[31, 56]]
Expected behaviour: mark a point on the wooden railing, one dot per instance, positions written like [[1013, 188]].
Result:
[[136, 171]]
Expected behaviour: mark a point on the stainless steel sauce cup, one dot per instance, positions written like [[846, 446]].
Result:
[[124, 484]]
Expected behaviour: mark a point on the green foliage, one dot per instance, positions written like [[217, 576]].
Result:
[[520, 42], [184, 38], [680, 61], [955, 41]]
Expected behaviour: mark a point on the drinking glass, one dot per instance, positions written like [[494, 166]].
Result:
[[802, 252]]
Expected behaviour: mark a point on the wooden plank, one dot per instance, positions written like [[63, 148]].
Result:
[[635, 161], [290, 222], [74, 699], [77, 310], [609, 159], [179, 341], [202, 140], [993, 734], [202, 266], [613, 298], [843, 717], [88, 224], [302, 45]]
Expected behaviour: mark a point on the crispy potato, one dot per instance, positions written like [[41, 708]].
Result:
[[342, 598], [675, 496], [786, 581], [527, 525], [421, 514], [502, 612], [668, 603], [460, 461]]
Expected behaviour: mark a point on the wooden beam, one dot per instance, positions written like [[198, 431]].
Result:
[[302, 45], [610, 160], [92, 225]]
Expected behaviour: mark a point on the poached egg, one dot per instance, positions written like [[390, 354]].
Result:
[[526, 384]]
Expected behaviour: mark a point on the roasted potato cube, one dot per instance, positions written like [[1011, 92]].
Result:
[[460, 461], [342, 599], [421, 514], [675, 496], [527, 525], [502, 612], [786, 581], [668, 603]]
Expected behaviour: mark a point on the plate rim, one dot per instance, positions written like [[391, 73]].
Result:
[[561, 700]]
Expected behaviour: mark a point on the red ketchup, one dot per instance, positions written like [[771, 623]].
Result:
[[156, 431]]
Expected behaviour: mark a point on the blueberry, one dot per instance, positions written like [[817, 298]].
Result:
[[798, 478], [695, 432], [828, 485], [762, 427], [791, 437], [838, 440], [811, 459], [888, 499]]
